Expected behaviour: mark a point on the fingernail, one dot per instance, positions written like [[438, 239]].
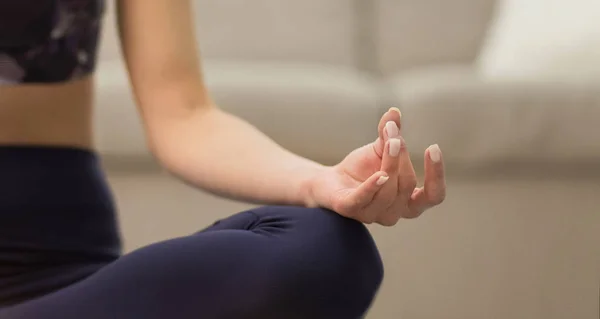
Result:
[[382, 180], [395, 109], [391, 128], [435, 153], [395, 145]]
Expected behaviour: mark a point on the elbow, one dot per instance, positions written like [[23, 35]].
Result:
[[176, 139], [172, 124], [165, 153], [162, 142], [175, 146], [157, 153]]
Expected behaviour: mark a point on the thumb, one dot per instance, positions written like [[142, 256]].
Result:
[[365, 192]]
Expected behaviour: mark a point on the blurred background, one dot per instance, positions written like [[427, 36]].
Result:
[[510, 90]]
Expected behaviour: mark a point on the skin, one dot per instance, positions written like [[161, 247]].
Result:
[[211, 149]]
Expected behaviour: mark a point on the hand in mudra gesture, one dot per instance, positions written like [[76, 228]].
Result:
[[377, 183]]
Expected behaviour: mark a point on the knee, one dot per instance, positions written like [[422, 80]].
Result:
[[335, 268], [321, 229]]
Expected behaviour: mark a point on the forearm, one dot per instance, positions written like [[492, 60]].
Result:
[[225, 155]]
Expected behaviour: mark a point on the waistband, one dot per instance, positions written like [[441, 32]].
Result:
[[57, 196]]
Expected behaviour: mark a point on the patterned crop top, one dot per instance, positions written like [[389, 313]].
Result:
[[46, 41]]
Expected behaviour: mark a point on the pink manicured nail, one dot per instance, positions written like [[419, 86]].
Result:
[[435, 153], [382, 180], [395, 145], [391, 128]]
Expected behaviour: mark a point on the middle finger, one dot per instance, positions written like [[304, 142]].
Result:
[[407, 178]]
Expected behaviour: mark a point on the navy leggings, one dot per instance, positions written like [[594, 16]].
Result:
[[60, 258]]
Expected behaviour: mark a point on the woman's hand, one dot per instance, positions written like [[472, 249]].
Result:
[[377, 183]]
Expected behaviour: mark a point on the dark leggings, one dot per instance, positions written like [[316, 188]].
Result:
[[270, 262]]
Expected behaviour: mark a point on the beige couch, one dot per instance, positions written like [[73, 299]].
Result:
[[519, 235]]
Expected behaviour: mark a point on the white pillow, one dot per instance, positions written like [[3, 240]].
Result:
[[543, 40]]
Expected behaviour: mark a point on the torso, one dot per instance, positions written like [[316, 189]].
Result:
[[48, 99], [57, 114]]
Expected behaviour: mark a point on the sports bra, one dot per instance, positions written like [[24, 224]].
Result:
[[48, 41]]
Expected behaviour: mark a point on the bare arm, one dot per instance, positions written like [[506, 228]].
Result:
[[189, 135]]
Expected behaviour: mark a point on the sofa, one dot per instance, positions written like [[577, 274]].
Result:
[[519, 233]]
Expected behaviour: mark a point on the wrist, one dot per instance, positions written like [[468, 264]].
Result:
[[309, 186]]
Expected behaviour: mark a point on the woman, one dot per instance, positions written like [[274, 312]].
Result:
[[60, 258]]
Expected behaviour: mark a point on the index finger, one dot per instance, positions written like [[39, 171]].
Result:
[[392, 115]]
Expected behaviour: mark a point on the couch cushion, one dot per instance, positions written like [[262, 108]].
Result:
[[319, 111], [477, 122], [411, 33]]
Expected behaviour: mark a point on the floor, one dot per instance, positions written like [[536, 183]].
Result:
[[495, 249]]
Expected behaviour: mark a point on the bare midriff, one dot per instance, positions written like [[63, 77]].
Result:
[[58, 114]]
